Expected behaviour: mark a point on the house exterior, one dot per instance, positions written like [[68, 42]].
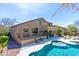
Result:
[[24, 33], [53, 29]]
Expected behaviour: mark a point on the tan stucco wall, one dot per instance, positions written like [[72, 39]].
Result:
[[52, 28], [19, 29], [28, 25]]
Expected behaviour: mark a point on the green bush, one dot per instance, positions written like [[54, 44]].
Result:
[[4, 41]]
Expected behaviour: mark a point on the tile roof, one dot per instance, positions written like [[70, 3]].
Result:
[[31, 21]]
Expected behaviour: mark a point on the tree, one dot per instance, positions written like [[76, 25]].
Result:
[[3, 30], [58, 30], [7, 22], [72, 29], [74, 7]]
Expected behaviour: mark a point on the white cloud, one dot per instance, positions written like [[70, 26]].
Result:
[[31, 8]]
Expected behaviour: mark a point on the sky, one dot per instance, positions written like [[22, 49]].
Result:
[[30, 11]]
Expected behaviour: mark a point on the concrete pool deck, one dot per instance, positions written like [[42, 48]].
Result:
[[25, 51], [69, 41]]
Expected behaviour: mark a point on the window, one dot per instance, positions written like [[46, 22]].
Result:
[[35, 30], [25, 30], [50, 31]]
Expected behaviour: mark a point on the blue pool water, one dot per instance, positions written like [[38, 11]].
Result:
[[52, 50]]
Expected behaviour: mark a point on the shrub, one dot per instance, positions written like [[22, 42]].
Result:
[[4, 41], [58, 30]]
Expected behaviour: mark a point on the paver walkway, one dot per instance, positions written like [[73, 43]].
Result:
[[13, 47], [13, 52]]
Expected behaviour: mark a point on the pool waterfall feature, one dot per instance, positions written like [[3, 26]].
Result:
[[57, 50]]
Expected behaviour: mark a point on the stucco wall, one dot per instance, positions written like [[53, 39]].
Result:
[[18, 30]]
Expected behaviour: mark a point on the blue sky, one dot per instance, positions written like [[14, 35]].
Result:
[[29, 11]]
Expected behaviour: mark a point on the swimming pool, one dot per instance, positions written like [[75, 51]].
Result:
[[57, 50]]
